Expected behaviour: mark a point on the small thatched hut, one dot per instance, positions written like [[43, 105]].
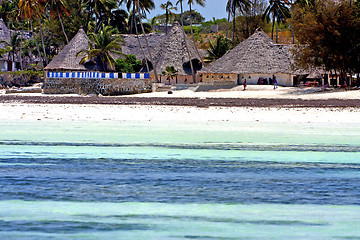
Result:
[[256, 57], [69, 60]]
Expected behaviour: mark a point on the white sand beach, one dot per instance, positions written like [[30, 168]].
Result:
[[73, 112]]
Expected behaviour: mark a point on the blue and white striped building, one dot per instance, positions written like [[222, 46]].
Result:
[[97, 75]]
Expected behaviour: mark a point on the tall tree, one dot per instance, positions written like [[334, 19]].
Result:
[[202, 4], [168, 7], [107, 43], [279, 12], [233, 6], [329, 34], [98, 8], [57, 8], [139, 9], [30, 10], [144, 5], [184, 36]]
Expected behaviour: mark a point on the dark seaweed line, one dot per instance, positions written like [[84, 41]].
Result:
[[198, 146], [197, 102]]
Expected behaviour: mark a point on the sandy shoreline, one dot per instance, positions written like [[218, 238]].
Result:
[[258, 104], [73, 112]]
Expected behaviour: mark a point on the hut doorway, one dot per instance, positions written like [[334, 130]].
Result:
[[238, 79]]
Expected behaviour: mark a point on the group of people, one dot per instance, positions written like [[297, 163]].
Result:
[[264, 81]]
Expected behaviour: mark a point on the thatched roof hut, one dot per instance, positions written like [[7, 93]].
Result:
[[68, 59], [172, 52], [257, 54]]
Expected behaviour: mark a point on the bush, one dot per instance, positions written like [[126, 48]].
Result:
[[128, 65], [20, 79]]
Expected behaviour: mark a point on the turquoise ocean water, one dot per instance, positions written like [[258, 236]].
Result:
[[179, 180]]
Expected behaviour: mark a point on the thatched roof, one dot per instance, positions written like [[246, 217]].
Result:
[[257, 54], [172, 52], [131, 44], [68, 58]]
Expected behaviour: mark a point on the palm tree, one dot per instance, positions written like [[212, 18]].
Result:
[[168, 7], [28, 10], [106, 43], [202, 4], [98, 8], [218, 48], [138, 7], [279, 12], [184, 36], [170, 72], [145, 6], [233, 6], [57, 7]]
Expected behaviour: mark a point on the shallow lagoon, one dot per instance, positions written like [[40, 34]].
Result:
[[177, 180]]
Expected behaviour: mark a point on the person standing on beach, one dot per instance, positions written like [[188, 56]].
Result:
[[275, 82], [244, 84]]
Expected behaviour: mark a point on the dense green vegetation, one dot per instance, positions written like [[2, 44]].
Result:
[[329, 29]]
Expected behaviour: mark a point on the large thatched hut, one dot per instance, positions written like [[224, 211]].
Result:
[[172, 52], [167, 50], [69, 59], [66, 75], [256, 57]]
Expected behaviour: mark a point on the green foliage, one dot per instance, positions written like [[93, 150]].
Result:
[[218, 48], [330, 36], [128, 65], [197, 18], [170, 72], [107, 43]]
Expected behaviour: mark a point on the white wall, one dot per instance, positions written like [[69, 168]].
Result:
[[282, 79]]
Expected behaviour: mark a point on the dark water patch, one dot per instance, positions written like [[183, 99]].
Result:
[[68, 226], [199, 237], [180, 181], [198, 146], [206, 219], [348, 238]]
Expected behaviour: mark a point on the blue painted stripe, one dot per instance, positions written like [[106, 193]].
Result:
[[146, 76], [111, 75], [137, 75]]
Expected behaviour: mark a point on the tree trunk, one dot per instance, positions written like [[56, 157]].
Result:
[[87, 21], [277, 31], [37, 47], [186, 46], [166, 21], [62, 26], [227, 27], [133, 20], [146, 41], [142, 50], [234, 24], [272, 30], [42, 40], [193, 38], [21, 48]]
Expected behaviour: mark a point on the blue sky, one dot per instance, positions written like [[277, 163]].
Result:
[[213, 8]]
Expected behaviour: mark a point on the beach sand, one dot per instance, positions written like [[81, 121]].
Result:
[[12, 110]]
